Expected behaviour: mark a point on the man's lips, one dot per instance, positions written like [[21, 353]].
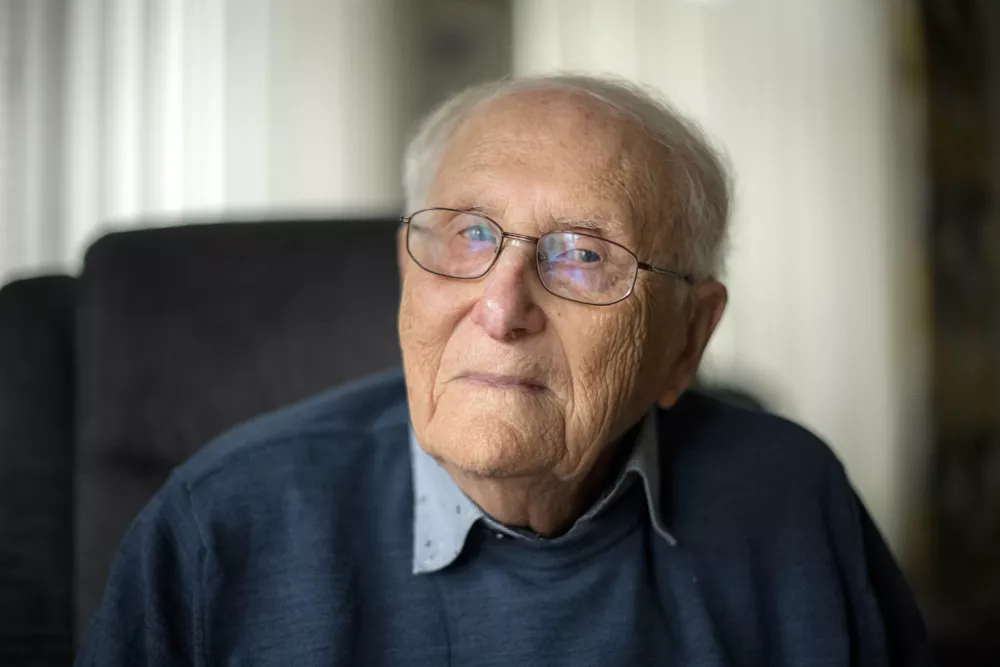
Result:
[[504, 381]]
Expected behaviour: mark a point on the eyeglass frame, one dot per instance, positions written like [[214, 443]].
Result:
[[504, 235]]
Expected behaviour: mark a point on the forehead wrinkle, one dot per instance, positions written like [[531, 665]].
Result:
[[624, 177], [471, 187], [654, 186]]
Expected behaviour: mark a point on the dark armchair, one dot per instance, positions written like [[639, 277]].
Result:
[[168, 337]]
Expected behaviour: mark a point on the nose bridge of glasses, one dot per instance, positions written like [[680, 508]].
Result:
[[511, 239], [517, 239], [516, 263]]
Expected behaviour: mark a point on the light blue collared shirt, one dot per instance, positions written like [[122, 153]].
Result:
[[443, 515]]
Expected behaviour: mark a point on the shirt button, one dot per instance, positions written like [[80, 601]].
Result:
[[499, 536]]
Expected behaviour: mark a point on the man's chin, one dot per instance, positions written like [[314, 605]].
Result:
[[488, 447], [493, 433]]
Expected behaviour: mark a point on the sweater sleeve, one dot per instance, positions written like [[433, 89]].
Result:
[[152, 609], [906, 640], [887, 626]]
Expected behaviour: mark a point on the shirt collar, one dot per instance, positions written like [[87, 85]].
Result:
[[443, 515]]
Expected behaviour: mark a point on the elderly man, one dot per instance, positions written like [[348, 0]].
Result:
[[536, 488]]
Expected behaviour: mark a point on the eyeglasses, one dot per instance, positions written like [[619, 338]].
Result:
[[579, 267]]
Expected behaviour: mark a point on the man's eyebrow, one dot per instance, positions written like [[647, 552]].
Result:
[[612, 227]]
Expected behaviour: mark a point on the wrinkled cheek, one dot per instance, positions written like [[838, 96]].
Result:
[[424, 330], [596, 386], [607, 368], [423, 333]]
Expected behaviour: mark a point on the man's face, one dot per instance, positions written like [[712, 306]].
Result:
[[503, 378]]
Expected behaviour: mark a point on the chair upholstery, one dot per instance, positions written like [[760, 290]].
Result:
[[36, 471], [186, 331]]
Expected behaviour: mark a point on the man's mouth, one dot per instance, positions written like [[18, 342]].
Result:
[[504, 381]]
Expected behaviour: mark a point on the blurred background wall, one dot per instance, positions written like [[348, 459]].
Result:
[[123, 112]]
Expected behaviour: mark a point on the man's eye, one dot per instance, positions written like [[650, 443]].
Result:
[[479, 233], [577, 256]]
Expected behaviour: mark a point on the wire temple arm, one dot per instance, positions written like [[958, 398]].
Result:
[[686, 277]]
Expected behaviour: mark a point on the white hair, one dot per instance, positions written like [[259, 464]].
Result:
[[699, 199]]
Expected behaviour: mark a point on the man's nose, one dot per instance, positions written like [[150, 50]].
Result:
[[506, 310]]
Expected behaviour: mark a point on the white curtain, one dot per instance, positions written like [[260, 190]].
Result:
[[30, 128], [805, 95], [117, 112]]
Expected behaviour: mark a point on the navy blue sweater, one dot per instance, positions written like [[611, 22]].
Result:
[[289, 541]]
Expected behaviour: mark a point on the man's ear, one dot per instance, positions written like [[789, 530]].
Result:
[[707, 303]]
